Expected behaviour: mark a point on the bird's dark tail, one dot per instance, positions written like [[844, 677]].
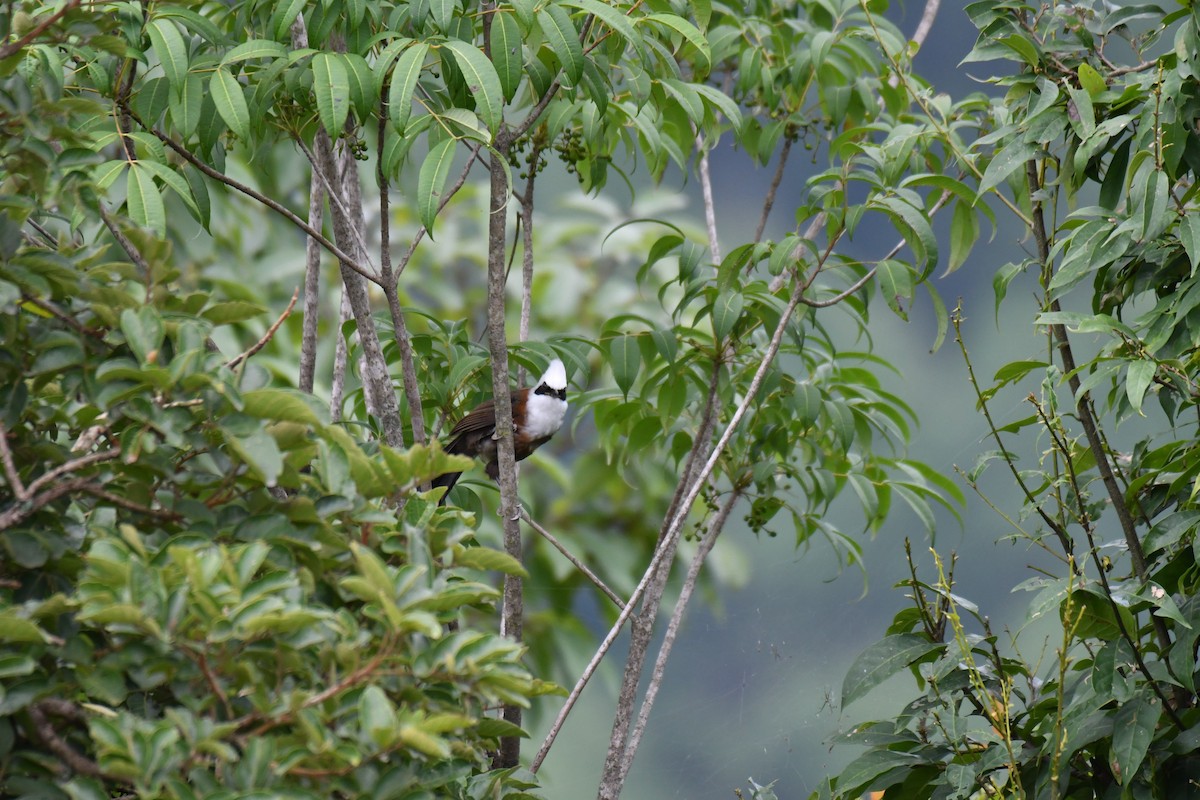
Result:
[[448, 480]]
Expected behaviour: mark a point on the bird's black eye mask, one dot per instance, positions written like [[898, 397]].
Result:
[[561, 394]]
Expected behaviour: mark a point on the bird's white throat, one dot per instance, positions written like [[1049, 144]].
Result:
[[543, 415]]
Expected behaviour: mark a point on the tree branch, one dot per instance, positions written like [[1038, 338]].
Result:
[[275, 206], [408, 368], [926, 24], [512, 615], [716, 525], [45, 731], [348, 223], [579, 565], [266, 337], [710, 209], [769, 202]]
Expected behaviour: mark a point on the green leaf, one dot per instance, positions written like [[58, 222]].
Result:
[[143, 331], [282, 405], [372, 568], [482, 81], [231, 102], [376, 716], [1133, 730], [172, 51], [1137, 380], [486, 558], [610, 16], [726, 311], [723, 102], [176, 182], [431, 180], [283, 15], [1013, 156], [1155, 215], [964, 232], [508, 52], [881, 661], [560, 33], [689, 32], [231, 311], [442, 12], [940, 315], [185, 105], [254, 48], [895, 284], [404, 83], [331, 85], [18, 629], [1091, 80], [1189, 237], [144, 201], [625, 359], [259, 451]]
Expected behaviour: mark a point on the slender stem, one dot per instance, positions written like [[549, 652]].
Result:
[[769, 202], [1083, 400], [715, 526], [312, 288], [578, 564], [266, 337], [710, 209], [926, 24], [274, 205]]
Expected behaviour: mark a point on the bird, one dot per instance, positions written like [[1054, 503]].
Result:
[[537, 414]]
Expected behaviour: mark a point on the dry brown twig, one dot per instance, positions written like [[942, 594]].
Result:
[[266, 337]]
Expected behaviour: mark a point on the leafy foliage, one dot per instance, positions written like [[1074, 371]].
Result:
[[215, 583], [1099, 158]]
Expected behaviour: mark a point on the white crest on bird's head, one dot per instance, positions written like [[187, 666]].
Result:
[[556, 375]]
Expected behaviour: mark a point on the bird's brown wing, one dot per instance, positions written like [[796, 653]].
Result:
[[481, 420]]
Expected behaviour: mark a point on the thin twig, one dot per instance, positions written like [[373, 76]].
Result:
[[62, 316], [926, 24], [134, 254], [446, 197], [74, 465], [408, 365], [335, 198], [312, 287], [1085, 522], [266, 337], [710, 209], [45, 731], [278, 208], [716, 525], [127, 504], [10, 469], [769, 202], [341, 361], [21, 511], [579, 565], [526, 220]]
